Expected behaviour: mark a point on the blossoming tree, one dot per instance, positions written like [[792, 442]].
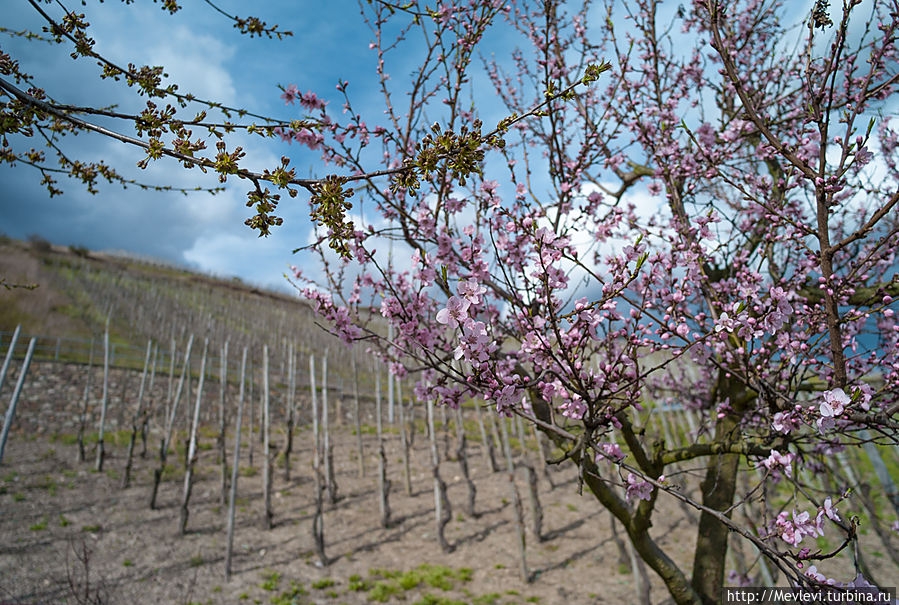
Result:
[[761, 293], [758, 295]]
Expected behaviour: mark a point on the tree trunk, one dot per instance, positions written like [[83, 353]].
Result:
[[718, 489]]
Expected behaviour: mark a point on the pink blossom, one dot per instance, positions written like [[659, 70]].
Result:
[[574, 407], [863, 156], [637, 488], [612, 451], [784, 422], [456, 311], [474, 344], [290, 94], [724, 323], [833, 403], [792, 530], [472, 291], [506, 399], [777, 461], [812, 572]]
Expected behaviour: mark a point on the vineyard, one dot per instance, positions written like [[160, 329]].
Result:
[[123, 478]]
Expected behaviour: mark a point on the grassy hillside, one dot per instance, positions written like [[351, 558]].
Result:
[[68, 293]]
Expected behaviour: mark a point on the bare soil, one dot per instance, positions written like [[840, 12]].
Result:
[[54, 509]]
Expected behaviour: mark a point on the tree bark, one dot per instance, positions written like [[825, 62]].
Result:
[[718, 489]]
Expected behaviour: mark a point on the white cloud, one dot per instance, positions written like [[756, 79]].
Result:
[[196, 63], [262, 261]]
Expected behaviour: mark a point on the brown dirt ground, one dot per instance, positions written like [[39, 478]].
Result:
[[52, 507]]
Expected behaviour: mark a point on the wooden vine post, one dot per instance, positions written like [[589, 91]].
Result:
[[145, 426], [533, 491], [235, 469], [11, 409], [266, 443], [404, 438], [316, 436], [137, 419], [356, 419], [486, 444], [462, 458], [82, 417], [291, 419], [383, 481], [442, 510], [223, 455], [105, 404], [170, 422], [9, 353], [516, 500], [192, 445], [328, 447]]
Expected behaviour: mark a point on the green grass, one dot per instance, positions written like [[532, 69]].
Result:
[[429, 599], [487, 599], [289, 596], [47, 483], [91, 529], [323, 583], [64, 438], [40, 525], [434, 576], [172, 472], [270, 581], [384, 573], [383, 590], [358, 584]]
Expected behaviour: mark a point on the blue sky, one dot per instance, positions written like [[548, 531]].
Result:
[[206, 56]]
